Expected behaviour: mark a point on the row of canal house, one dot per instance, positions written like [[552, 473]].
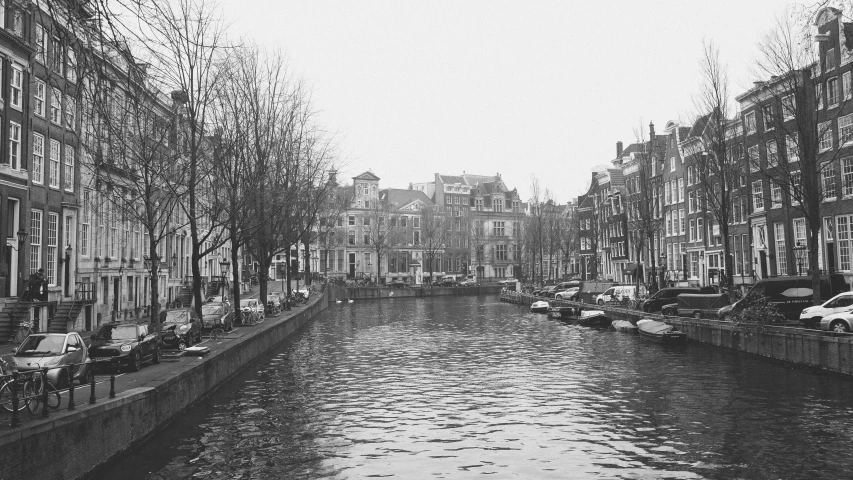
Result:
[[768, 231], [54, 212]]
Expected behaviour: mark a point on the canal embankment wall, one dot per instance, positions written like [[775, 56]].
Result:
[[829, 351], [73, 444], [373, 293]]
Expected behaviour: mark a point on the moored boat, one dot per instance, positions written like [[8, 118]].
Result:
[[593, 318], [623, 326], [539, 307], [661, 332]]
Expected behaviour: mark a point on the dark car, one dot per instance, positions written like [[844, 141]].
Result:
[[665, 296], [220, 315], [129, 344], [180, 328], [669, 310]]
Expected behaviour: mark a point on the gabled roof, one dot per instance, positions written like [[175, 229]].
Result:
[[451, 179], [399, 198], [368, 175]]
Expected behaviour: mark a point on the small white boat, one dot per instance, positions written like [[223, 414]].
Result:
[[539, 307], [594, 318]]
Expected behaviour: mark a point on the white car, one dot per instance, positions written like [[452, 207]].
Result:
[[567, 294], [812, 317], [837, 322]]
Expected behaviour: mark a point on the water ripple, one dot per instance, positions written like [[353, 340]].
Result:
[[465, 387]]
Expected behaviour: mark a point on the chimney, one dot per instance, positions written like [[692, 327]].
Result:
[[618, 149], [652, 132]]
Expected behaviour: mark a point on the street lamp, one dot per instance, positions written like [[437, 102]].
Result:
[[800, 254], [174, 260]]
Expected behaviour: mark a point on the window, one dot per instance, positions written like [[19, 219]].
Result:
[[667, 195], [498, 229], [41, 44], [769, 119], [35, 241], [498, 205], [749, 122], [700, 228], [69, 168], [757, 196], [672, 164], [781, 258], [16, 82], [38, 159], [417, 239], [737, 213], [70, 112], [800, 241], [18, 21], [56, 56], [351, 238], [500, 253], [352, 220], [14, 145], [845, 129], [789, 107], [365, 221], [772, 153], [824, 131], [681, 221], [792, 149], [680, 190], [794, 190], [85, 220], [366, 239], [832, 92], [51, 249], [827, 176], [775, 195], [71, 66], [844, 237], [416, 222], [689, 175], [691, 201], [845, 86], [692, 236], [54, 164], [752, 154], [403, 221], [56, 106], [668, 223], [38, 98], [829, 60], [847, 176]]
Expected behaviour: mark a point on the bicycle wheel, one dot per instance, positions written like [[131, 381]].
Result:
[[259, 319], [33, 394], [54, 399], [6, 397], [217, 334]]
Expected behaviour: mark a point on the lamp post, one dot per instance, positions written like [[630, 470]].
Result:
[[68, 251], [224, 267], [662, 270], [799, 253], [152, 266]]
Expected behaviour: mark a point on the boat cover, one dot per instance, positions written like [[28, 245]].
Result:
[[654, 327]]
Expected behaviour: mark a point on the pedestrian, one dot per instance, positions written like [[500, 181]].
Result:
[[35, 283]]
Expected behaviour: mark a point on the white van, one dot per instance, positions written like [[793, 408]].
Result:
[[618, 294]]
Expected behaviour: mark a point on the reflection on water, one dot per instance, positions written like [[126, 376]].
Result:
[[460, 387]]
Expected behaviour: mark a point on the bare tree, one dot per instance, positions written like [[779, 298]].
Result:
[[798, 116], [330, 228], [435, 231], [382, 234], [711, 145], [536, 231], [644, 219]]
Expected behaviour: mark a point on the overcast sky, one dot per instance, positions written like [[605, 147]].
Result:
[[520, 88]]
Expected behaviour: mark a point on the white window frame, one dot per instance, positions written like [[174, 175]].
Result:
[[38, 158], [51, 249], [826, 142], [54, 161], [14, 159], [35, 240], [68, 172], [749, 122], [781, 253], [56, 106], [757, 196], [16, 87], [39, 90]]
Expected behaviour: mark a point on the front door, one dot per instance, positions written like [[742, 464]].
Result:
[[12, 261], [762, 263], [116, 289], [352, 265]]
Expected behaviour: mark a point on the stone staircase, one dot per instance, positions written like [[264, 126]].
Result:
[[65, 312], [186, 296], [213, 289]]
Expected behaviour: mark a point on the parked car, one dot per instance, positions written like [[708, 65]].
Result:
[[467, 282], [215, 299], [445, 282], [837, 322], [180, 328], [252, 305], [618, 293], [810, 317], [277, 298], [55, 350], [130, 344], [790, 295], [588, 291], [568, 294], [669, 310], [665, 296], [701, 305], [508, 281], [219, 315]]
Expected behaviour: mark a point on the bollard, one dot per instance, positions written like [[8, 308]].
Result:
[[15, 420], [44, 395], [71, 404], [113, 381], [92, 386]]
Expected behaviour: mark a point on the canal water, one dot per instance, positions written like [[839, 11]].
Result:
[[462, 387]]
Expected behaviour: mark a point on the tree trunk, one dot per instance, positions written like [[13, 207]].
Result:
[[235, 271], [814, 239], [154, 280], [307, 269]]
